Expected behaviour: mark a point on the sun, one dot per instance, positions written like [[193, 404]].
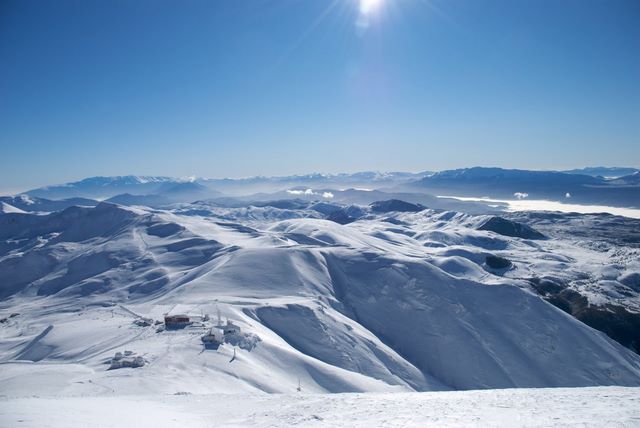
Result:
[[369, 6]]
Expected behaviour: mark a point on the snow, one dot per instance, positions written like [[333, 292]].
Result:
[[389, 305], [6, 208], [585, 407], [369, 306]]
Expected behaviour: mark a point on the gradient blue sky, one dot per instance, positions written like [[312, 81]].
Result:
[[264, 87]]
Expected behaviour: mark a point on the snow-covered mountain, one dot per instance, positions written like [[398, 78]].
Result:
[[367, 180], [603, 171], [482, 176], [627, 180], [127, 190], [549, 185], [34, 204], [107, 187], [399, 300], [103, 187], [475, 182], [166, 194]]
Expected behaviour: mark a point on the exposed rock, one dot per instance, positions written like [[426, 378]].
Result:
[[347, 215], [616, 322], [495, 262], [395, 205], [547, 286], [506, 227], [631, 280]]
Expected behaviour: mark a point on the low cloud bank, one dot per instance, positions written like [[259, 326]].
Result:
[[309, 192]]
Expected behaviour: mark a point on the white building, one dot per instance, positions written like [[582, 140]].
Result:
[[215, 336], [230, 328]]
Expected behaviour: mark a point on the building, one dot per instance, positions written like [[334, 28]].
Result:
[[213, 338], [177, 321], [230, 328], [181, 316]]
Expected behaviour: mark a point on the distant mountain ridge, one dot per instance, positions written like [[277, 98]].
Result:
[[108, 187], [603, 171], [502, 183], [103, 187], [501, 174], [627, 180], [498, 183], [34, 204]]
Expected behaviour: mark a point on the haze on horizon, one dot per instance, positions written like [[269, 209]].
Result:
[[245, 88]]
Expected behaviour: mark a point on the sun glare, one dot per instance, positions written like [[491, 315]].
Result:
[[369, 6]]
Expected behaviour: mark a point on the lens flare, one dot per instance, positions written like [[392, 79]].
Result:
[[369, 6]]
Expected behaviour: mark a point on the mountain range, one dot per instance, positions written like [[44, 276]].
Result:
[[548, 185], [576, 186], [400, 298], [341, 283]]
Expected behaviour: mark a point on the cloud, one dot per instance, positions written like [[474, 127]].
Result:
[[309, 192], [521, 195], [301, 192]]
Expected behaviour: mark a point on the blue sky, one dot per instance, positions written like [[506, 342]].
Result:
[[263, 87]]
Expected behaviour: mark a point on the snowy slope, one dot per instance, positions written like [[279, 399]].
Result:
[[7, 208], [585, 407], [392, 302], [27, 203]]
